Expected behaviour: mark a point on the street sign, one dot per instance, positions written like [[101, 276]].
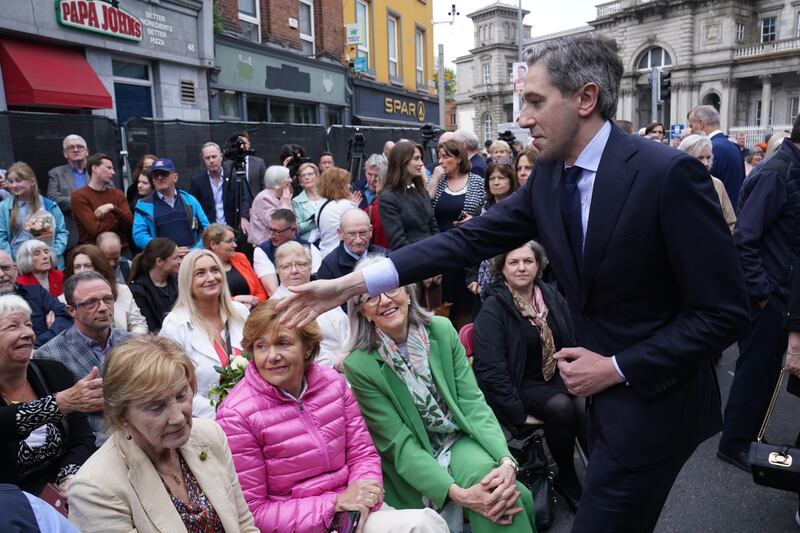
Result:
[[353, 33], [360, 64], [677, 131]]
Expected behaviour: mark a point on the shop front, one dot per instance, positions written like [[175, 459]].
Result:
[[380, 105], [260, 84]]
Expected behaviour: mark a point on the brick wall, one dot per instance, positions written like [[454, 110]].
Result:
[[276, 28], [230, 15], [329, 28]]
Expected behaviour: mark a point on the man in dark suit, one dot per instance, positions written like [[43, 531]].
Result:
[[255, 167], [355, 232], [470, 141], [65, 179], [635, 237], [728, 163], [214, 189]]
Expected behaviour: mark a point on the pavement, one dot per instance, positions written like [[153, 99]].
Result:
[[710, 496]]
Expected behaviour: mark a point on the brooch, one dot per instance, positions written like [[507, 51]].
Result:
[[203, 455]]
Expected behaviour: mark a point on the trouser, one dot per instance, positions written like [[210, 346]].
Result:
[[757, 368], [469, 464], [620, 499], [389, 520]]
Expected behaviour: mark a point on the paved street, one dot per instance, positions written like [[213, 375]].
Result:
[[710, 496]]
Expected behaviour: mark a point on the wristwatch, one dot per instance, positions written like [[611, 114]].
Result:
[[511, 462]]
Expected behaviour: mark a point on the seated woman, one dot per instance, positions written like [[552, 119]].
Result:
[[293, 263], [440, 443], [44, 434], [334, 184], [205, 322], [277, 194], [142, 186], [160, 470], [522, 323], [298, 439], [36, 265], [306, 203], [24, 208], [127, 316], [244, 285], [154, 282]]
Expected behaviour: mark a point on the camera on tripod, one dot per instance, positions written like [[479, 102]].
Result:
[[430, 132], [236, 150], [297, 159]]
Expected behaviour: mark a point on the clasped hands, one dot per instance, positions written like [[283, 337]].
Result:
[[495, 497], [585, 372]]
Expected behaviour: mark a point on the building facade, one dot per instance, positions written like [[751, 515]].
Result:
[[484, 85], [391, 61], [120, 59], [280, 61]]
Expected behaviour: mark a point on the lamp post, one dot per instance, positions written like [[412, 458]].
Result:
[[442, 89]]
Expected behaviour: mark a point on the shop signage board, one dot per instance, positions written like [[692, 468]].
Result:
[[95, 16]]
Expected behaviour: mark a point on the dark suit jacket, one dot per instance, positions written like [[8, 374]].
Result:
[[256, 168], [60, 186], [406, 216], [339, 263], [728, 166], [42, 302], [478, 165], [200, 188], [660, 286]]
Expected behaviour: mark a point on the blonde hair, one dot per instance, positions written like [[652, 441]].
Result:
[[186, 301], [265, 321], [500, 145], [775, 141], [24, 171], [214, 234], [142, 369]]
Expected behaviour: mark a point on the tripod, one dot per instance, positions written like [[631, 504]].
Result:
[[238, 186], [355, 156]]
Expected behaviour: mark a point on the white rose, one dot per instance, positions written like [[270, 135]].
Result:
[[239, 362]]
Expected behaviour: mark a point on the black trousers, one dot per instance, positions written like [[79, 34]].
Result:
[[620, 499], [757, 368]]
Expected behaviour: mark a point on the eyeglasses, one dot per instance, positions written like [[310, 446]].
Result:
[[75, 148], [353, 234], [92, 303], [288, 267], [281, 231], [372, 301]]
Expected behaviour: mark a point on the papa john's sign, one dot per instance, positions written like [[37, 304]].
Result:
[[99, 17]]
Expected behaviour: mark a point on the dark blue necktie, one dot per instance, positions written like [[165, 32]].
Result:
[[571, 211]]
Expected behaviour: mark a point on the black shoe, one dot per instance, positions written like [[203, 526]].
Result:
[[571, 492], [737, 459]]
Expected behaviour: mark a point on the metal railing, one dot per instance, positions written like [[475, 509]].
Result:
[[767, 48], [755, 134], [609, 8]]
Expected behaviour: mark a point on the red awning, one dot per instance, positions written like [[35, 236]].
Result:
[[38, 74]]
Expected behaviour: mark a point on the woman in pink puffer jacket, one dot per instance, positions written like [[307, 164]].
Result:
[[300, 446]]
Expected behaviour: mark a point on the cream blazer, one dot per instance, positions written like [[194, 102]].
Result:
[[119, 490]]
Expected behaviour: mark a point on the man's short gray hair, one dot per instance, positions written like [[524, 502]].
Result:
[[210, 143], [25, 255], [573, 61], [11, 304], [467, 138], [73, 137], [72, 283], [274, 176], [706, 113], [375, 160]]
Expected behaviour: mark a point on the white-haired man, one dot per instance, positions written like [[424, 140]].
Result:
[[64, 179]]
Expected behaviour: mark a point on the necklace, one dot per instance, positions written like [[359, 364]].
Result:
[[8, 400], [173, 476]]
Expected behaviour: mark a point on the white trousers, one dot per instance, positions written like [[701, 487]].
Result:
[[389, 520]]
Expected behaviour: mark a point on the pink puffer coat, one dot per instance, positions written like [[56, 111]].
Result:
[[294, 457]]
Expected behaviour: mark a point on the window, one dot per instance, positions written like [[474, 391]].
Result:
[[740, 32], [794, 108], [453, 118], [419, 38], [392, 30], [487, 74], [655, 57], [307, 26], [229, 105], [768, 29], [510, 72], [362, 19], [797, 32], [133, 89], [249, 20], [488, 128]]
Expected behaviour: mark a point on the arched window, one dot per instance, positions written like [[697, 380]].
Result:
[[488, 127], [654, 57]]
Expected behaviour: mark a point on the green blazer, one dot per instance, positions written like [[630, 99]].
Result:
[[409, 469], [304, 211]]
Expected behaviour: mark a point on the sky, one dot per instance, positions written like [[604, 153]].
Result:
[[458, 38]]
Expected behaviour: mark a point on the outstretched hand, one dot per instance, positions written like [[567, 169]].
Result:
[[312, 299]]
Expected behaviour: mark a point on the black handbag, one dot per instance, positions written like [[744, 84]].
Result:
[[534, 472], [774, 465]]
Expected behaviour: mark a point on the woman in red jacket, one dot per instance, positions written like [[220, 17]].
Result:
[[36, 265]]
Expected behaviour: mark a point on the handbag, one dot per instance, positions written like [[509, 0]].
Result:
[[534, 472], [774, 465]]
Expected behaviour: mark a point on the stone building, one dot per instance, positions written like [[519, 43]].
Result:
[[484, 96]]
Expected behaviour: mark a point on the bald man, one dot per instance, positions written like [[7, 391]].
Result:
[[355, 233]]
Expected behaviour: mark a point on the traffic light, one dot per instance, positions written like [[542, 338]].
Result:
[[665, 85]]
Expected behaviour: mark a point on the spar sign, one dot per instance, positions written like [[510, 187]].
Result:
[[99, 17]]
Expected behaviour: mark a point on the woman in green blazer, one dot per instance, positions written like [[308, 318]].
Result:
[[440, 444]]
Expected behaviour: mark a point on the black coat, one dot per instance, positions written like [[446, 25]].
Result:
[[339, 263], [42, 302], [79, 441], [406, 217], [501, 351], [793, 319], [151, 301], [200, 188]]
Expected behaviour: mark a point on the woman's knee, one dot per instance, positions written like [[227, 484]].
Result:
[[405, 521]]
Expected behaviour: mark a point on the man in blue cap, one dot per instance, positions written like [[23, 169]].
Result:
[[168, 212]]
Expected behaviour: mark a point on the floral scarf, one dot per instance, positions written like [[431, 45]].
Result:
[[537, 316]]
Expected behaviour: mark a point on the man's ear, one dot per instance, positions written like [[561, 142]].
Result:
[[71, 310], [589, 96]]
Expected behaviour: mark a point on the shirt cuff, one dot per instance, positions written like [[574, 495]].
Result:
[[380, 276], [616, 367]]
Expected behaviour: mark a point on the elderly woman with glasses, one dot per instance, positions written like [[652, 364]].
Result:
[[441, 445], [45, 434], [37, 265], [306, 203], [277, 194], [293, 261], [206, 322], [161, 470]]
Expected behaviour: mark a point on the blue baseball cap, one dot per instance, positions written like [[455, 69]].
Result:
[[162, 165]]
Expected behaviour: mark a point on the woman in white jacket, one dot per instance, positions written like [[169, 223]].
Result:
[[205, 322]]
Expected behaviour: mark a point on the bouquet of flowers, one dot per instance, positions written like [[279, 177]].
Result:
[[41, 225], [228, 377]]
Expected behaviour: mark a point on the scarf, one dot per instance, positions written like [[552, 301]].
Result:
[[537, 316]]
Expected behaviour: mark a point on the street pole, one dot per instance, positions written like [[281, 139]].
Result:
[[654, 86], [442, 88], [519, 32]]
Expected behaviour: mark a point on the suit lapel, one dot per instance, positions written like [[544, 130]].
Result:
[[404, 404], [611, 187], [207, 475]]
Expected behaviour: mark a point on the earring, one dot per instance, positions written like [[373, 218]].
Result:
[[129, 437]]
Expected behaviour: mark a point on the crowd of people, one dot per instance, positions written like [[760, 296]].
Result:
[[124, 313]]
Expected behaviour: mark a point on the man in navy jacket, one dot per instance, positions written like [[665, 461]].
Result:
[[635, 237], [728, 163], [216, 190]]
